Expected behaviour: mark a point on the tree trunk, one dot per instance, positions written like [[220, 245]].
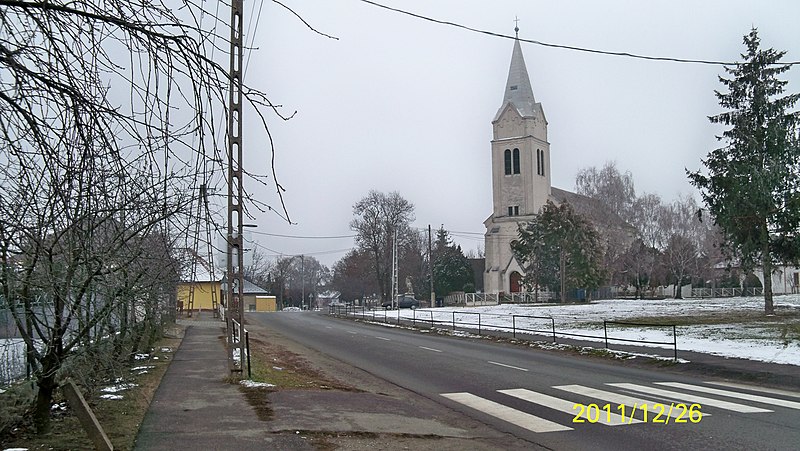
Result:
[[766, 265], [46, 385], [562, 264]]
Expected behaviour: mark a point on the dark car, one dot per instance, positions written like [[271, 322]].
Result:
[[402, 301]]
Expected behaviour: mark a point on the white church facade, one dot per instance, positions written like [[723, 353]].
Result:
[[521, 184]]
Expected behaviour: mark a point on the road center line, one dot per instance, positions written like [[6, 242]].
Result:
[[507, 366], [352, 332], [382, 338], [429, 349]]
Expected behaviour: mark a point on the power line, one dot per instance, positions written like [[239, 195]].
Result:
[[561, 46], [277, 253], [304, 237]]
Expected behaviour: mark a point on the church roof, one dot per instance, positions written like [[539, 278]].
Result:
[[591, 209], [518, 87]]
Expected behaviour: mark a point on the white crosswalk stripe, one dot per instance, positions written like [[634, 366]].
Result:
[[505, 413], [607, 418], [686, 398], [615, 398], [630, 398], [737, 395], [773, 391]]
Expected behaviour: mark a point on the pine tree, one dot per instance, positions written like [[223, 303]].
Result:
[[451, 269], [560, 250], [753, 184]]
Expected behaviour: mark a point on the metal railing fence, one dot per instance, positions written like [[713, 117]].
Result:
[[485, 323]]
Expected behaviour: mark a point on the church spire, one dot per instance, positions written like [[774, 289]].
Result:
[[518, 87]]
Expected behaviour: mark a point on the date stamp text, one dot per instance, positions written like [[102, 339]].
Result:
[[652, 413]]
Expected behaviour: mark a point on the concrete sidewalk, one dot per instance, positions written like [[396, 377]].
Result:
[[196, 407]]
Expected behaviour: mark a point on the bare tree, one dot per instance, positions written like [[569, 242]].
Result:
[[353, 276], [305, 278], [378, 219], [685, 235], [647, 217], [107, 124], [609, 185]]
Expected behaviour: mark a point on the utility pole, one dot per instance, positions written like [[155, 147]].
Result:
[[235, 265], [395, 290], [302, 281], [430, 262]]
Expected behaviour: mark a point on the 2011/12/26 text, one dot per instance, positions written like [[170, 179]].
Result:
[[655, 413]]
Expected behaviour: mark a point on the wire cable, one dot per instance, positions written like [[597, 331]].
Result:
[[561, 46]]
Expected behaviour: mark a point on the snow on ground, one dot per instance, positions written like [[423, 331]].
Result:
[[252, 384], [767, 341]]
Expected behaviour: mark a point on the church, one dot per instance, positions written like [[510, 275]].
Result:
[[520, 177]]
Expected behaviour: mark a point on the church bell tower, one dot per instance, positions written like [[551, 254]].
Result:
[[521, 185]]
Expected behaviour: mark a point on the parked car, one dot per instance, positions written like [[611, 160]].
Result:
[[402, 301]]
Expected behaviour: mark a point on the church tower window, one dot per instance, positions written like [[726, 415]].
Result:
[[516, 161], [540, 162], [543, 166], [507, 157]]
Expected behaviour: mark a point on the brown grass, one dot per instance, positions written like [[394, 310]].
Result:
[[120, 419]]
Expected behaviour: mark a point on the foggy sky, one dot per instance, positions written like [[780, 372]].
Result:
[[401, 104]]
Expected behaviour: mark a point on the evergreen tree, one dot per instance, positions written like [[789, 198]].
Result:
[[753, 184], [560, 250], [451, 269]]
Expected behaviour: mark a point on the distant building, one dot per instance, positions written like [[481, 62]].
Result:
[[208, 287], [521, 179], [256, 299]]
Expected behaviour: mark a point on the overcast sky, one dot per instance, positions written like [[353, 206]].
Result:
[[402, 104]]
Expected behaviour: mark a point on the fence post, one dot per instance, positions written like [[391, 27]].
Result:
[[247, 344], [398, 315], [675, 343], [605, 333], [479, 323], [514, 326], [413, 317], [554, 329], [431, 319], [454, 320]]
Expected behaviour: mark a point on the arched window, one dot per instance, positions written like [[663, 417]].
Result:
[[507, 157], [543, 165], [516, 161], [540, 162]]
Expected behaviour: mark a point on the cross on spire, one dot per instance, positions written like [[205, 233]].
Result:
[[516, 26]]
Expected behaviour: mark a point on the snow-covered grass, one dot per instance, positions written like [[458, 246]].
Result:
[[730, 327]]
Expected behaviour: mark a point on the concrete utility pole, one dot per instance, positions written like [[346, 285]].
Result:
[[430, 262], [395, 290], [235, 266]]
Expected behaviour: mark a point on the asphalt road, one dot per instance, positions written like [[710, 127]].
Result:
[[542, 397]]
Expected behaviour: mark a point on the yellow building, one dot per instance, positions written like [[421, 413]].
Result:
[[256, 299], [261, 303], [203, 291]]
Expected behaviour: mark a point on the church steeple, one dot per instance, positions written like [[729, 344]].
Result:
[[518, 87], [520, 174]]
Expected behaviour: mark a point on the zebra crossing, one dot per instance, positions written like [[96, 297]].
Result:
[[623, 403]]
